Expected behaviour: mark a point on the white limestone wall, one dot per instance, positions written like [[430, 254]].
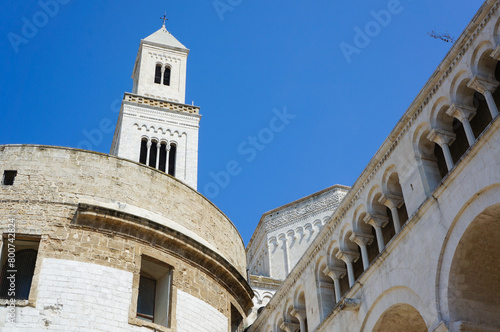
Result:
[[261, 299], [76, 296], [285, 233], [291, 241], [195, 315], [414, 267], [144, 75], [138, 121]]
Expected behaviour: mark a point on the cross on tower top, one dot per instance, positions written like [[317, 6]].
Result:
[[164, 18]]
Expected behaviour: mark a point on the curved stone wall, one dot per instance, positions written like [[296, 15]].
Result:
[[71, 176], [98, 224]]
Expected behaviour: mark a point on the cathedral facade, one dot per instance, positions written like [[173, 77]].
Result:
[[124, 241], [414, 244]]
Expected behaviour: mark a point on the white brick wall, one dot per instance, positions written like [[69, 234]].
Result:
[[76, 296], [195, 315]]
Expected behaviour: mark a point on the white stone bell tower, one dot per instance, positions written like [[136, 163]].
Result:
[[155, 127]]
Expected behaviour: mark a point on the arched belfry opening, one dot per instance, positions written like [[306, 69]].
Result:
[[172, 159], [159, 155], [153, 154], [166, 76], [162, 166], [155, 126], [158, 73], [144, 151]]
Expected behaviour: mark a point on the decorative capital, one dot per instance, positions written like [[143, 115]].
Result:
[[391, 200], [461, 112], [335, 272], [282, 239], [348, 256], [496, 53], [299, 313], [361, 239], [273, 243], [441, 137], [289, 326], [350, 304], [376, 220], [481, 84]]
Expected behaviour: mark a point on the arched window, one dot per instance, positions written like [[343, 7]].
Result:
[[163, 157], [482, 118], [153, 151], [441, 162], [144, 151], [171, 159], [166, 76], [460, 144], [158, 74]]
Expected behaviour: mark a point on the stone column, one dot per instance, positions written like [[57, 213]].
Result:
[[377, 221], [149, 151], [168, 156], [336, 273], [270, 250], [393, 202], [485, 87], [286, 261], [496, 53], [444, 139], [158, 146], [300, 314], [362, 240], [349, 257], [464, 114]]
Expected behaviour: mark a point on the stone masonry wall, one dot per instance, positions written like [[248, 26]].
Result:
[[68, 176]]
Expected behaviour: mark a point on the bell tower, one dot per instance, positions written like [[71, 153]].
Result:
[[160, 67], [155, 127]]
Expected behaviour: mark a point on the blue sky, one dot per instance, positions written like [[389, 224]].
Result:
[[249, 61]]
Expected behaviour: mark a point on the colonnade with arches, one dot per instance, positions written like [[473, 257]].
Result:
[[159, 154], [449, 132]]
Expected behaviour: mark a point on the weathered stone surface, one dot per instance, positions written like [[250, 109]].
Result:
[[439, 271], [100, 213]]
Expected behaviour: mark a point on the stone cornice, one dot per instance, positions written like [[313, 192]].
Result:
[[161, 104], [142, 112], [432, 86], [264, 282], [334, 191], [291, 214], [147, 231]]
